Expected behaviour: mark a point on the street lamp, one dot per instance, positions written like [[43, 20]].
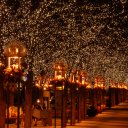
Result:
[[60, 75], [60, 71], [83, 82], [14, 51], [99, 84], [83, 78]]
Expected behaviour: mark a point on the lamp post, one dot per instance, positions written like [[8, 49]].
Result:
[[14, 51], [83, 81], [2, 97], [97, 86], [60, 75], [72, 95]]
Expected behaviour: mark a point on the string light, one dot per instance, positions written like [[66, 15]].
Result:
[[89, 31]]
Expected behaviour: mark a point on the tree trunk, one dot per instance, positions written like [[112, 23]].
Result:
[[2, 106], [11, 99], [73, 105], [28, 101], [64, 107]]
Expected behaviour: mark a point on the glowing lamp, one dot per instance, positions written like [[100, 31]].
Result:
[[38, 101], [72, 76], [15, 50], [60, 71], [83, 77]]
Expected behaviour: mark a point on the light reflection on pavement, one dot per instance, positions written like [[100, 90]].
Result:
[[117, 117]]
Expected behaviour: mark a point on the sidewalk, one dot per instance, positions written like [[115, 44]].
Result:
[[116, 117]]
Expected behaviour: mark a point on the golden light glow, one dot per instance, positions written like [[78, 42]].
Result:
[[38, 101], [60, 71], [15, 49], [58, 77], [60, 88], [88, 85], [99, 82]]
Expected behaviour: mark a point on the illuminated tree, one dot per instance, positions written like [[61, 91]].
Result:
[[87, 34]]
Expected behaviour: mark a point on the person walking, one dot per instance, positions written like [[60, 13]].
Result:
[[38, 108], [36, 113]]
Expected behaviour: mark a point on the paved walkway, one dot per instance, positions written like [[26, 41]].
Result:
[[116, 117]]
